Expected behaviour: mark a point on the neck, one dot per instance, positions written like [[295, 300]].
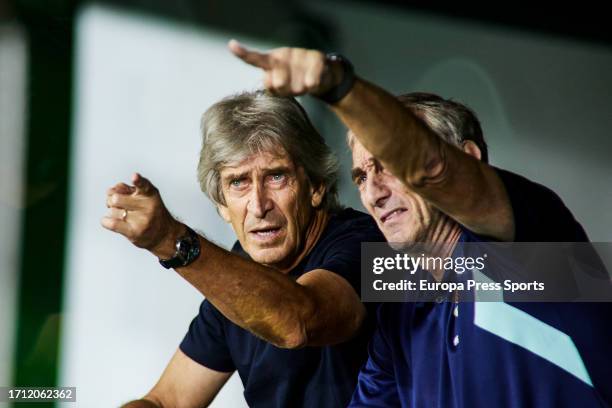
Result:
[[443, 239], [317, 224]]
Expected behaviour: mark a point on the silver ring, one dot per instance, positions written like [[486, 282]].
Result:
[[124, 216]]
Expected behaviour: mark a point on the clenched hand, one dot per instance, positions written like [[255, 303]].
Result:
[[138, 213], [291, 71]]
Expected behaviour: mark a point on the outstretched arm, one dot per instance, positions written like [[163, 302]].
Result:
[[319, 308], [461, 186]]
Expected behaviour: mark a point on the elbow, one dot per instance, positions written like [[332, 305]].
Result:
[[293, 340], [296, 334], [323, 332]]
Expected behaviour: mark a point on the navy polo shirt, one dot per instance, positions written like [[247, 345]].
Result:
[[307, 377], [495, 354]]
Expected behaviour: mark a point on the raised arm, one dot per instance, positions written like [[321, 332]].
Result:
[[460, 185]]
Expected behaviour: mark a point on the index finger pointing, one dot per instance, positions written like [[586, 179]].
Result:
[[257, 59]]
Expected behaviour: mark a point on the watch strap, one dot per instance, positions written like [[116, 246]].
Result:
[[348, 79]]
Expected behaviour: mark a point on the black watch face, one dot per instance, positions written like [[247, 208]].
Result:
[[187, 250], [182, 248]]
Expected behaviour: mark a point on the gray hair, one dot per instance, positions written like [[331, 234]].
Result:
[[452, 121], [253, 122]]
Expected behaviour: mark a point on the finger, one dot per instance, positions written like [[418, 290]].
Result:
[[257, 59], [295, 68], [118, 213], [313, 77], [123, 201], [281, 81], [143, 185], [120, 188], [116, 225], [297, 82]]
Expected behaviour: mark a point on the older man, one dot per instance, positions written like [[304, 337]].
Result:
[[282, 308], [420, 165]]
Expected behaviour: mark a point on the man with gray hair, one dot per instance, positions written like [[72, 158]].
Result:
[[282, 307], [420, 164]]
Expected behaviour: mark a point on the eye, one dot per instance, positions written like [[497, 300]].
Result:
[[276, 177], [236, 183], [360, 179]]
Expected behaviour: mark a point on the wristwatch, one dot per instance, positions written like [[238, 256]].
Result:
[[348, 79], [187, 251]]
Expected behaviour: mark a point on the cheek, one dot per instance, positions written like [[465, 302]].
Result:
[[237, 213], [289, 203], [364, 201], [411, 200], [423, 207]]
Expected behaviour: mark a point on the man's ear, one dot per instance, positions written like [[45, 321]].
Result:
[[472, 149], [316, 195], [224, 212]]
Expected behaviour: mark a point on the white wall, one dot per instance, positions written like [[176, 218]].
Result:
[[13, 78], [141, 87]]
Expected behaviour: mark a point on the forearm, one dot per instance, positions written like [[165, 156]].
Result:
[[255, 297], [391, 132]]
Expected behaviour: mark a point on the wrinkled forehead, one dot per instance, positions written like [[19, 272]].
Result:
[[258, 160], [361, 157]]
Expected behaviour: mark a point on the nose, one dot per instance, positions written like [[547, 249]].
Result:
[[376, 191], [259, 201]]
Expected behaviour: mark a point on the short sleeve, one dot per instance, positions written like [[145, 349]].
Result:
[[205, 341], [539, 216], [376, 384], [539, 213], [342, 254]]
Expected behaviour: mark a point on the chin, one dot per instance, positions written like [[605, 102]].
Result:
[[267, 256], [394, 236], [400, 240]]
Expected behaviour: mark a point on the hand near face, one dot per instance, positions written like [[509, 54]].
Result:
[[291, 71], [138, 213]]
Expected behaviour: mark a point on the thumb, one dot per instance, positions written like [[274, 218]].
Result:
[[142, 184]]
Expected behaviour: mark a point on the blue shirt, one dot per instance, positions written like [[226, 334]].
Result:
[[307, 377], [495, 354]]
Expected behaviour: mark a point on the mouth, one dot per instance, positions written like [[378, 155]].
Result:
[[390, 215], [265, 233]]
